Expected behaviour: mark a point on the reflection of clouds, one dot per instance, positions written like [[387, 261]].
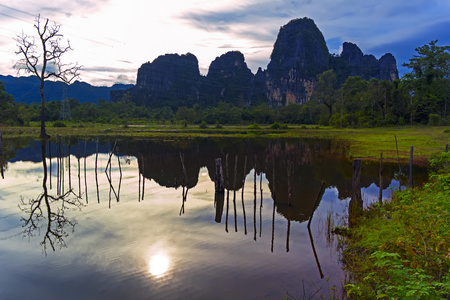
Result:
[[118, 249]]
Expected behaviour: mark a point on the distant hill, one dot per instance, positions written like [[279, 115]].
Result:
[[26, 90]]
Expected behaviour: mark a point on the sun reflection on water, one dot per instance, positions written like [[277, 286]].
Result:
[[159, 265]]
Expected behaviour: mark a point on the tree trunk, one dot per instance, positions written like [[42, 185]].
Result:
[[41, 89]]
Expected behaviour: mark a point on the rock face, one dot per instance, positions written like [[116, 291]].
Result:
[[299, 55], [171, 78], [388, 67], [352, 62], [230, 80]]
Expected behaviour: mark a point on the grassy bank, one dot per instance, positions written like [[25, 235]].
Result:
[[401, 249], [363, 143]]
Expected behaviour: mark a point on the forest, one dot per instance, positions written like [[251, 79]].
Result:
[[419, 97]]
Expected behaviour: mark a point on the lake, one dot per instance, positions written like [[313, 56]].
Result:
[[139, 218]]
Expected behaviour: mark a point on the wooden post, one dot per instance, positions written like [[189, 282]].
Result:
[[219, 181], [289, 171], [58, 169], [79, 168], [243, 180], [234, 193], [185, 178], [356, 202], [288, 232], [85, 176], [139, 174], [380, 182], [254, 201], [242, 197], [120, 176], [96, 172], [62, 167], [319, 196], [50, 161], [411, 167], [219, 201], [228, 192], [143, 177], [68, 157], [315, 253]]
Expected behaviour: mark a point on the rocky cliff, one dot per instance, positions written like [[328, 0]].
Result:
[[299, 55], [352, 62], [171, 79], [230, 80]]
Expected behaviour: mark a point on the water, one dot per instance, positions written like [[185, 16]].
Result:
[[147, 229]]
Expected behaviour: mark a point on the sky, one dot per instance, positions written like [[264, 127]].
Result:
[[111, 39]]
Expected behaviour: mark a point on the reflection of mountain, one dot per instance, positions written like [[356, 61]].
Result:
[[294, 168]]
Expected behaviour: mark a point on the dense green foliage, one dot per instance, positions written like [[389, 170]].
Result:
[[8, 110], [401, 249], [421, 97]]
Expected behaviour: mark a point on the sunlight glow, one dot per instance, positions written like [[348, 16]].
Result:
[[159, 265]]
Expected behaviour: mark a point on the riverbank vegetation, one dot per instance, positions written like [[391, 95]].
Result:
[[401, 249]]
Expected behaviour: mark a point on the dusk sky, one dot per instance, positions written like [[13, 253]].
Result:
[[112, 38]]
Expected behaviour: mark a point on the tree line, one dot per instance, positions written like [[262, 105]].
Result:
[[420, 97]]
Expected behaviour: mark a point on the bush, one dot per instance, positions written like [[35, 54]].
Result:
[[218, 126], [203, 125], [254, 126], [434, 119], [59, 124], [277, 125]]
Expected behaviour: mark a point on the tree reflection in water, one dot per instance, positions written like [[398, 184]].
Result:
[[47, 212]]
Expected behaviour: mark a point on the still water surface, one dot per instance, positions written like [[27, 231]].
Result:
[[143, 221]]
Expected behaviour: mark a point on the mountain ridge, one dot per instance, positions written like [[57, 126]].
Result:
[[25, 89], [299, 54]]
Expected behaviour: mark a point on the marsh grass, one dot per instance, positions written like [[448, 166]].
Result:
[[401, 248]]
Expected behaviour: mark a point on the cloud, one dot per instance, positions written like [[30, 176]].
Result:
[[121, 35], [107, 69], [58, 8]]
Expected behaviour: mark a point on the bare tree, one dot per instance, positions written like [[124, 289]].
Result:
[[44, 59]]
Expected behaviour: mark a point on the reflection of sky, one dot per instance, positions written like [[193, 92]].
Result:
[[120, 252]]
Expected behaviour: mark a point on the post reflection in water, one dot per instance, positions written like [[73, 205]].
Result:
[[290, 174]]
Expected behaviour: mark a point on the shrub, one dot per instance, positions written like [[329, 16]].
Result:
[[254, 126], [59, 124], [203, 125], [277, 125], [434, 119]]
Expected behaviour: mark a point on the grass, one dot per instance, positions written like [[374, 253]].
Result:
[[364, 143], [401, 249]]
